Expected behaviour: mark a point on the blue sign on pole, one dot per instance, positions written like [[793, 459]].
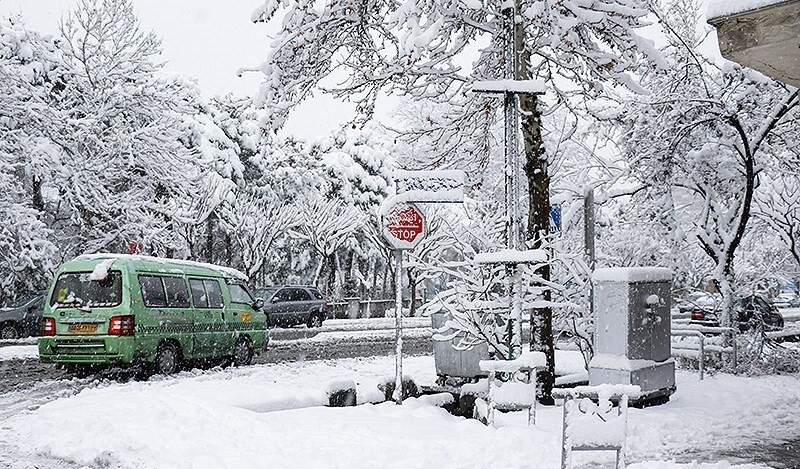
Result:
[[555, 218]]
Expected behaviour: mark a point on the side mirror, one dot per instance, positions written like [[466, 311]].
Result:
[[275, 299], [259, 303]]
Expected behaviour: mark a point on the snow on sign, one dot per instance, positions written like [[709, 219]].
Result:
[[440, 186], [404, 226]]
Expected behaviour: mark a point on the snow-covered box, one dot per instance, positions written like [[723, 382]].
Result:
[[632, 323]]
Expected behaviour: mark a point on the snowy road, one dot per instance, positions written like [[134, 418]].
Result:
[[20, 368]]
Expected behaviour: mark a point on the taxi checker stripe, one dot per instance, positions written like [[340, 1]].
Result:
[[194, 328]]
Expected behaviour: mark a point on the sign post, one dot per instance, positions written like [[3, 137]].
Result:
[[403, 228]]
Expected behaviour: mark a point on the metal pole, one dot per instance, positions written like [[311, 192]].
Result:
[[516, 312], [702, 355], [512, 185], [511, 150], [398, 331], [588, 239]]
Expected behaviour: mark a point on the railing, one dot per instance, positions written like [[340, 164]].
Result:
[[352, 308], [703, 333]]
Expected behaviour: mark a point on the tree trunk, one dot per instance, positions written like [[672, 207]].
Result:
[[536, 172], [318, 272], [412, 285], [209, 254], [228, 251], [38, 200]]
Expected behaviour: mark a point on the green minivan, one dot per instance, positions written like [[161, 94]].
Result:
[[118, 310]]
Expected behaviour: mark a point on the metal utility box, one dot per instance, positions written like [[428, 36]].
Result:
[[456, 363], [632, 329]]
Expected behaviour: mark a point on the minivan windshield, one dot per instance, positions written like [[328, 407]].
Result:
[[78, 289]]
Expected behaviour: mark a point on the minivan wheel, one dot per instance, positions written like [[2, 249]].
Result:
[[315, 320], [243, 352], [167, 359], [8, 331]]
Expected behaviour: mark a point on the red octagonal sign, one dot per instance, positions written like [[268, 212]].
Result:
[[404, 226]]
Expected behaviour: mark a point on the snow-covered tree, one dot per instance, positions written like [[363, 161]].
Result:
[[327, 224], [29, 68], [256, 220], [721, 124], [122, 173], [778, 206]]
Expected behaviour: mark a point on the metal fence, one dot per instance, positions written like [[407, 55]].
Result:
[[696, 342], [352, 308]]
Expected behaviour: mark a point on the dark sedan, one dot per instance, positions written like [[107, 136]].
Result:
[[22, 318]]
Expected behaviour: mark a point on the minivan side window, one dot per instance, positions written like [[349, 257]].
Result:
[[214, 292], [316, 293], [177, 295], [199, 297], [152, 291]]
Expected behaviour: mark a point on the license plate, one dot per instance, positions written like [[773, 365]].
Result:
[[83, 328]]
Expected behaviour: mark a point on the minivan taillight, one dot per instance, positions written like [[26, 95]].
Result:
[[48, 326], [121, 325], [698, 314]]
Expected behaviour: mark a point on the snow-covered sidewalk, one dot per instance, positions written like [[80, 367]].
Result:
[[271, 416]]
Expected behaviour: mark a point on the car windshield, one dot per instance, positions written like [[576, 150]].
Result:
[[265, 293], [25, 300], [78, 289]]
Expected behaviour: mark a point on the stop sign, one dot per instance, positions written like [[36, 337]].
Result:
[[404, 226]]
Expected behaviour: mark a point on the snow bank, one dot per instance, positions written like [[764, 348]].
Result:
[[632, 274], [205, 419], [722, 8], [19, 352], [194, 422]]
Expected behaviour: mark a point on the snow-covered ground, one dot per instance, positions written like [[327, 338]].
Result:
[[272, 416], [18, 352]]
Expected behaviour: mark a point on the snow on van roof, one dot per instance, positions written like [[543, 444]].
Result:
[[225, 271]]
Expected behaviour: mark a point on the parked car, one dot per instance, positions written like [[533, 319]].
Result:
[[23, 317], [118, 310], [787, 299], [292, 305], [750, 312], [699, 300]]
